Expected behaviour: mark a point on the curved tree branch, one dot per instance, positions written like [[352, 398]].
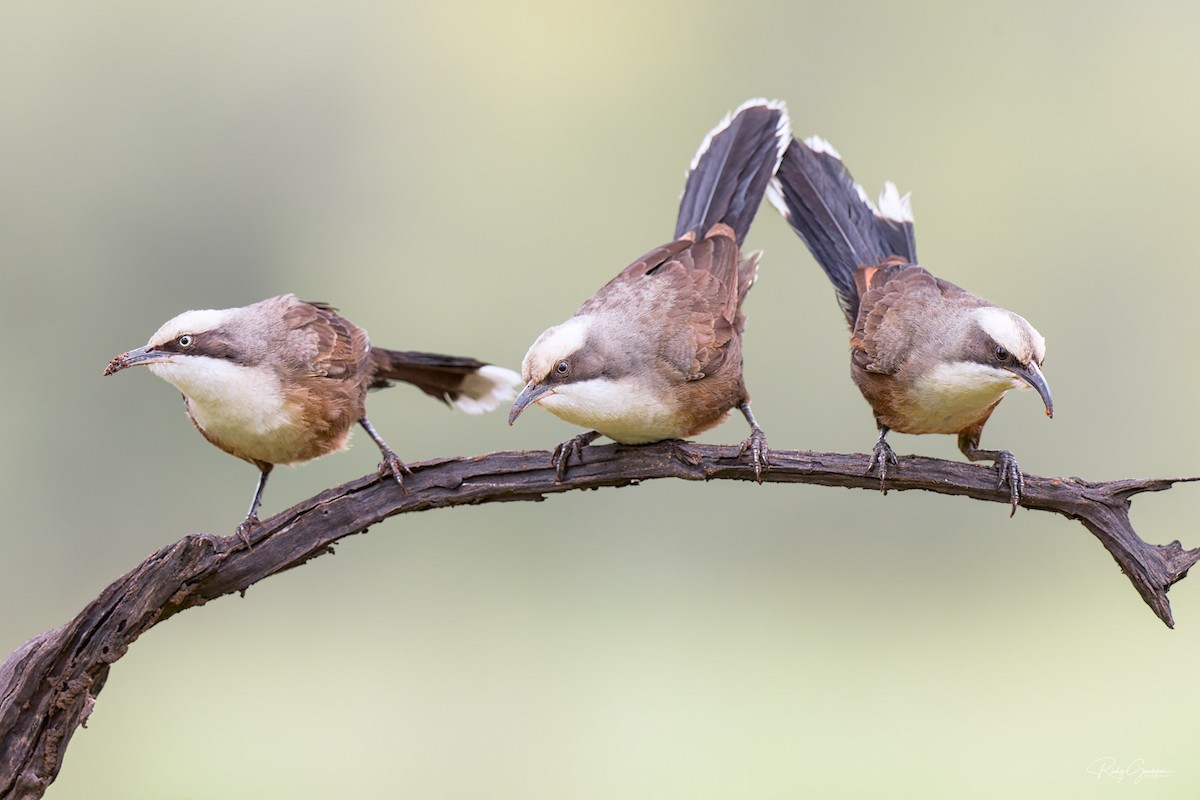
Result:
[[48, 686]]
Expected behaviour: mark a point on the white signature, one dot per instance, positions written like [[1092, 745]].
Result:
[[1135, 771]]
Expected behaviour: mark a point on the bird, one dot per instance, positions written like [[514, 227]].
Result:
[[928, 356], [656, 353], [283, 381]]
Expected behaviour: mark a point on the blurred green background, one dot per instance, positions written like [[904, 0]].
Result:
[[459, 176]]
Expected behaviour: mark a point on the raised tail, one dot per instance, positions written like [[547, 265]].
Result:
[[820, 200], [468, 385], [735, 162]]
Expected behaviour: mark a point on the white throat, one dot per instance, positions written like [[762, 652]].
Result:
[[231, 401], [952, 396]]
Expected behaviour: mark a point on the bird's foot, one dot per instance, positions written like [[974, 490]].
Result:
[[1010, 473], [243, 530], [756, 446], [880, 458], [393, 466], [573, 446]]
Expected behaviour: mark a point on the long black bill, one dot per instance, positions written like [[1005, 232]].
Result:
[[1032, 375], [142, 355], [530, 394]]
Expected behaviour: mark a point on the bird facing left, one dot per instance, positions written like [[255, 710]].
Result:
[[656, 353], [284, 381]]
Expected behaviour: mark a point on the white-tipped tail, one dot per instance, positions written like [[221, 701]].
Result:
[[895, 206], [819, 145], [823, 147], [862, 195], [784, 128], [486, 388], [892, 205], [775, 197]]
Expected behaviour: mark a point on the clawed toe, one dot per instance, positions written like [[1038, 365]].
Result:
[[393, 466], [756, 445], [571, 447], [881, 456], [243, 530], [561, 455], [1009, 473]]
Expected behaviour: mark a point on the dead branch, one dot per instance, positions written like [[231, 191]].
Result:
[[48, 686]]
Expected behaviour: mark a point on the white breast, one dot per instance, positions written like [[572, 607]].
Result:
[[952, 396], [241, 406], [625, 411]]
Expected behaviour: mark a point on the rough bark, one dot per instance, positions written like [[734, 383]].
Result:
[[48, 686]]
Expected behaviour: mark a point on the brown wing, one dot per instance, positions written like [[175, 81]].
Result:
[[688, 293], [630, 283], [896, 306], [714, 299], [333, 347]]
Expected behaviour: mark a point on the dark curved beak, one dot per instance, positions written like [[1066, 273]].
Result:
[[134, 358], [530, 394], [1032, 374]]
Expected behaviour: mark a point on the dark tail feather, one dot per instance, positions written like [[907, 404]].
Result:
[[817, 195], [470, 385], [730, 172]]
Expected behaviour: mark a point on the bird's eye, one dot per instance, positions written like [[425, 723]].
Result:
[[186, 340], [1001, 354], [562, 367]]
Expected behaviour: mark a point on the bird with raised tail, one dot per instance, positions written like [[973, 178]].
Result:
[[284, 381], [928, 356], [656, 353]]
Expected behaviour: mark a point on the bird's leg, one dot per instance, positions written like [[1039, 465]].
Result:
[[755, 444], [247, 524], [1006, 466], [391, 462], [881, 456], [574, 445]]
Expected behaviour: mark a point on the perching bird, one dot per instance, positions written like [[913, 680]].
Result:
[[283, 381], [656, 353], [928, 356]]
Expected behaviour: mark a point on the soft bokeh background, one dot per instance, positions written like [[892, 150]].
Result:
[[459, 176]]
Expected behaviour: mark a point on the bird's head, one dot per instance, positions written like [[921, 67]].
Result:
[[562, 361], [187, 351], [1010, 349], [574, 373]]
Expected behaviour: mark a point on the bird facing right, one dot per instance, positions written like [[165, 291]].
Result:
[[928, 356]]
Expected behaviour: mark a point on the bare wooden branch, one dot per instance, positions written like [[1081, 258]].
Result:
[[48, 686]]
